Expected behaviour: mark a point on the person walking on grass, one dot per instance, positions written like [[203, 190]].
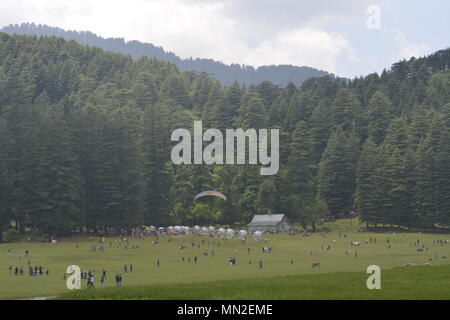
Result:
[[157, 263], [102, 282]]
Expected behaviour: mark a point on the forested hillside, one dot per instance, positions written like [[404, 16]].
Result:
[[226, 74], [85, 142]]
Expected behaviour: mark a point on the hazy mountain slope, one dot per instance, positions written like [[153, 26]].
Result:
[[226, 74]]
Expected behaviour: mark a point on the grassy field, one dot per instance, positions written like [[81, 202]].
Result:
[[209, 268], [419, 282]]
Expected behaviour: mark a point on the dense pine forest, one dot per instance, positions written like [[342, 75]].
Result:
[[85, 143], [226, 74]]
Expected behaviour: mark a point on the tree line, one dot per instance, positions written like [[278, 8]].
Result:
[[85, 142], [226, 74]]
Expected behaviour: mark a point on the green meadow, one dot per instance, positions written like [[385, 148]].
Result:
[[340, 275], [417, 282]]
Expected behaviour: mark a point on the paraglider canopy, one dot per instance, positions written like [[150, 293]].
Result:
[[210, 193]]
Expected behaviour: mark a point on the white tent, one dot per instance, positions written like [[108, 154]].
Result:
[[257, 235], [242, 234], [221, 232]]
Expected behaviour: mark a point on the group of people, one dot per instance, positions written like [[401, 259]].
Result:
[[36, 271], [32, 271], [89, 276], [127, 268]]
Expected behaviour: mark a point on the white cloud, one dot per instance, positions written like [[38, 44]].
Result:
[[408, 49], [303, 47], [204, 29]]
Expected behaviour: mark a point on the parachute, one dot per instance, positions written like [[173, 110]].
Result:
[[210, 193]]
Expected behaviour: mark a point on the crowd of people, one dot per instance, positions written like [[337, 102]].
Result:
[[32, 271]]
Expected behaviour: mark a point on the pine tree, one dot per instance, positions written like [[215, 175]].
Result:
[[266, 196], [299, 172], [346, 111], [337, 171], [427, 175], [378, 115], [155, 153], [366, 183]]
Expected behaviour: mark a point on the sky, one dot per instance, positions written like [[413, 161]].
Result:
[[347, 37]]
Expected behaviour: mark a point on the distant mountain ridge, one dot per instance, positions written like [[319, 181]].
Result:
[[280, 75]]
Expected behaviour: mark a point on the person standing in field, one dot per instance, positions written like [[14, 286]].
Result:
[[157, 263], [119, 280]]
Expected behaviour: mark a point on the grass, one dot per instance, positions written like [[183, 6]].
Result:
[[418, 282], [215, 271]]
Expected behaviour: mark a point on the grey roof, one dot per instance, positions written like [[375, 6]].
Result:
[[266, 219]]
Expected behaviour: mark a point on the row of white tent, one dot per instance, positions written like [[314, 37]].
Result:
[[210, 231]]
